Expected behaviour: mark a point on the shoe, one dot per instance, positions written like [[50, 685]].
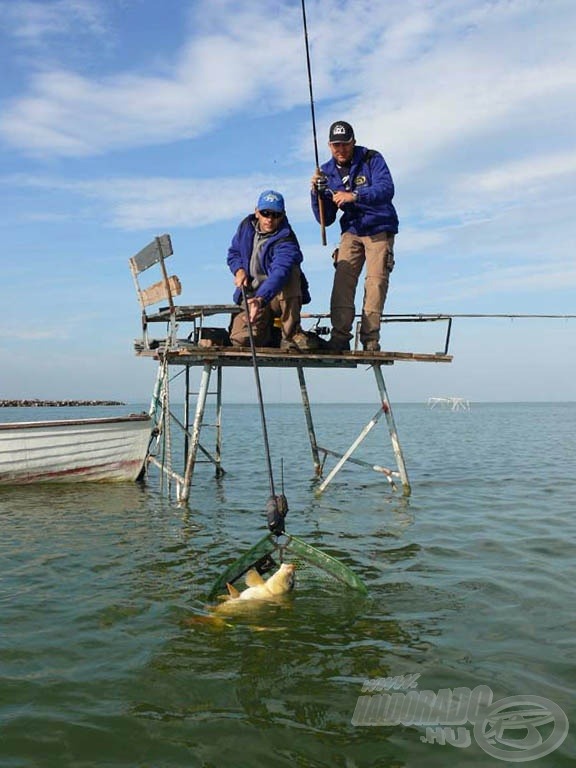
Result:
[[300, 342], [337, 345], [371, 346]]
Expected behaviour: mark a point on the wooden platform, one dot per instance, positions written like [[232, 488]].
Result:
[[186, 354], [187, 341], [190, 352]]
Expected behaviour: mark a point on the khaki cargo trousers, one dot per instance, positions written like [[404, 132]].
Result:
[[377, 252], [286, 305]]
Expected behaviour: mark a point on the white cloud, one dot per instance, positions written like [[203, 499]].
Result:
[[418, 80], [448, 83], [510, 179], [19, 333], [472, 103], [34, 22], [214, 75], [466, 99], [534, 278], [142, 202], [494, 282]]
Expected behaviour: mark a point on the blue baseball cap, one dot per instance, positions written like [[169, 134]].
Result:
[[271, 201]]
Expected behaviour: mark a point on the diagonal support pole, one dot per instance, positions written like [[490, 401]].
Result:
[[338, 466], [384, 410]]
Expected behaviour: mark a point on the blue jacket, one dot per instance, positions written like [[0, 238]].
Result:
[[373, 211], [279, 253]]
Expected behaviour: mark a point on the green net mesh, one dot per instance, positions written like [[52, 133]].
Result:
[[312, 565]]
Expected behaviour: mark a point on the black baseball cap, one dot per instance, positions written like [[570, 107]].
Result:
[[341, 131]]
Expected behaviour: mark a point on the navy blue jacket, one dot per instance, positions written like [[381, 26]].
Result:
[[279, 253], [373, 211]]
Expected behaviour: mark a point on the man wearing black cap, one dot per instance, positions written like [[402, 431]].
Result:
[[357, 182], [265, 259]]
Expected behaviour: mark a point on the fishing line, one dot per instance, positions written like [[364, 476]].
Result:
[[259, 393], [276, 506]]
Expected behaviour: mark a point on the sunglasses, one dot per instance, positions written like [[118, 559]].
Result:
[[271, 214]]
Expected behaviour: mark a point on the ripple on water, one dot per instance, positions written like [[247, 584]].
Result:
[[470, 581]]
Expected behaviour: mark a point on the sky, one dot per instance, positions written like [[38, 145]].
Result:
[[121, 120]]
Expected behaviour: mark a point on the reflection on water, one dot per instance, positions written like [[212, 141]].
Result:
[[470, 582]]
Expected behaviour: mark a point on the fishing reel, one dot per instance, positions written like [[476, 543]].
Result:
[[276, 511]]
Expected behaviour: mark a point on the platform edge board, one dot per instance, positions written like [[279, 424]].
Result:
[[272, 356]]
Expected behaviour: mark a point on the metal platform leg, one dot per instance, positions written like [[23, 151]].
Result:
[[309, 422], [186, 409], [387, 408], [155, 403], [184, 489], [218, 451], [217, 458], [160, 448]]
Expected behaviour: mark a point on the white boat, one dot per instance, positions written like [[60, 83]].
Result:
[[74, 450]]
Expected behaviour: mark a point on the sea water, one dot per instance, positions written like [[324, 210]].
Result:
[[470, 583]]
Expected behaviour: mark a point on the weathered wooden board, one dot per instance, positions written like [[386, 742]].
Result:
[[160, 247], [159, 291]]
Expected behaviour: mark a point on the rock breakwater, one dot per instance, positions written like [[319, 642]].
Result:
[[54, 403]]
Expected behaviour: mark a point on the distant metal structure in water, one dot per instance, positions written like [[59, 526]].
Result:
[[209, 348], [453, 403]]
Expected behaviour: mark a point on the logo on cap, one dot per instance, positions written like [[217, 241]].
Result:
[[339, 130], [272, 200]]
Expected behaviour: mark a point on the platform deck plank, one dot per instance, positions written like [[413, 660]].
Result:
[[273, 357]]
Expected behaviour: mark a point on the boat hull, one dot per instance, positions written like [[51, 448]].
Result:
[[110, 449]]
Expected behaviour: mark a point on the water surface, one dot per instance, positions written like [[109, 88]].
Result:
[[470, 581]]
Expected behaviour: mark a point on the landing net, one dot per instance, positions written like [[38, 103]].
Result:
[[312, 565]]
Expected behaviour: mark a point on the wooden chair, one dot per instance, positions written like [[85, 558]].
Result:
[[165, 289]]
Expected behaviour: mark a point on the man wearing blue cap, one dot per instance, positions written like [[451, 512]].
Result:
[[265, 259], [357, 182]]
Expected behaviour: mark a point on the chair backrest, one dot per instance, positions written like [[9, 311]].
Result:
[[167, 287], [164, 289]]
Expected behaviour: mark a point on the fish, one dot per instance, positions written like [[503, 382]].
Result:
[[280, 583], [258, 589], [258, 592]]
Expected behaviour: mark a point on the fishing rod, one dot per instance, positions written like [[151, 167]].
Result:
[[278, 544], [277, 506], [309, 68]]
